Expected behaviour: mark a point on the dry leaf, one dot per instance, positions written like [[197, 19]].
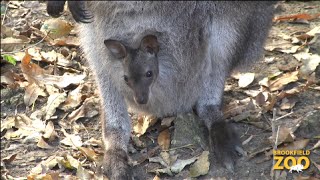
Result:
[[9, 158], [89, 153], [142, 123], [300, 144], [201, 166], [88, 109], [180, 164], [287, 103], [54, 101], [56, 28], [47, 164], [11, 43], [71, 140], [30, 70], [246, 79], [50, 133], [260, 99], [61, 81], [166, 122], [33, 91], [75, 98], [66, 41], [284, 79], [285, 135], [84, 174], [297, 16], [43, 144], [156, 178], [164, 139], [309, 65]]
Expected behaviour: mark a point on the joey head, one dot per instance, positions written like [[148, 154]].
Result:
[[140, 66]]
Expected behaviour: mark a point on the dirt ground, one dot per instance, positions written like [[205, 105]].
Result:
[[258, 165]]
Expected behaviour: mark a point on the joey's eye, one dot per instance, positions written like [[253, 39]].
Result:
[[125, 78], [149, 74]]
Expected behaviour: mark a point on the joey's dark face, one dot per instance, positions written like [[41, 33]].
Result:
[[141, 71], [140, 66]]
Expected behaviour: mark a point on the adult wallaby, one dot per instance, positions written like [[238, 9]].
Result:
[[200, 43]]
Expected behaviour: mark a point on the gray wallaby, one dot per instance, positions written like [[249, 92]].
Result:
[[200, 43]]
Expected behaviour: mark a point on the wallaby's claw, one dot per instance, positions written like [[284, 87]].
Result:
[[225, 144], [115, 165]]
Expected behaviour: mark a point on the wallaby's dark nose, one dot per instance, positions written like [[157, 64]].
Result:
[[141, 99]]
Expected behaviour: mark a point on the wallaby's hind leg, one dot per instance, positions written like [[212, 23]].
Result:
[[224, 141]]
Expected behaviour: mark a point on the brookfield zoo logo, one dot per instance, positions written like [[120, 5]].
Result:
[[298, 163]]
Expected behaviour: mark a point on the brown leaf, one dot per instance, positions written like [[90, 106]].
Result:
[[201, 166], [61, 81], [166, 122], [164, 139], [50, 133], [142, 123], [297, 16], [30, 70], [89, 153], [156, 178], [43, 144], [260, 99], [9, 158], [56, 28], [75, 98], [54, 101], [66, 41], [11, 43], [285, 135], [284, 79], [287, 103], [33, 91], [88, 109], [300, 144]]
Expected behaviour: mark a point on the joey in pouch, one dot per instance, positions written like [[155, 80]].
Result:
[[140, 66], [197, 45]]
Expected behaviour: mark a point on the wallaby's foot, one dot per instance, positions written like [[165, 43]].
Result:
[[225, 144], [115, 165]]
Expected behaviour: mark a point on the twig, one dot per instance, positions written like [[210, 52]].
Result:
[[184, 146], [274, 137], [5, 14], [21, 50], [283, 116]]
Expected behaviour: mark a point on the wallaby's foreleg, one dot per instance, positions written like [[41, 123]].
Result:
[[115, 130]]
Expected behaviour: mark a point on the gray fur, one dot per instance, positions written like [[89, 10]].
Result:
[[200, 43]]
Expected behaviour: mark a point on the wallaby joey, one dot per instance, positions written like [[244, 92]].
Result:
[[140, 65], [200, 42]]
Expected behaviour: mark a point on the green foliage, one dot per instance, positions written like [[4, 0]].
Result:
[[9, 58]]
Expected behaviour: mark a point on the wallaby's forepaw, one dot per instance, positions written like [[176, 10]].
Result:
[[115, 165], [225, 144]]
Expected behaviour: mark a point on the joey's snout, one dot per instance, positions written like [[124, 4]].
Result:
[[141, 98]]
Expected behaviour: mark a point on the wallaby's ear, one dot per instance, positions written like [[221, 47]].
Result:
[[117, 49], [150, 44]]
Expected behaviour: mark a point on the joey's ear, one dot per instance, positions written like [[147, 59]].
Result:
[[117, 49], [150, 44]]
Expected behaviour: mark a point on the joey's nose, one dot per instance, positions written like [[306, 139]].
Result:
[[141, 99]]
